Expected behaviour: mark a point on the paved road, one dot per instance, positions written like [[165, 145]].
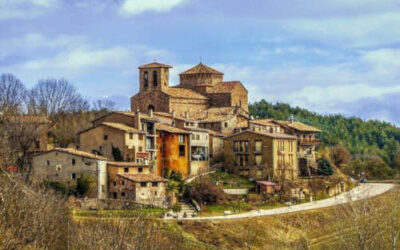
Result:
[[362, 192]]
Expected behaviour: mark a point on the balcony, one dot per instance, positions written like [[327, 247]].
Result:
[[308, 141]]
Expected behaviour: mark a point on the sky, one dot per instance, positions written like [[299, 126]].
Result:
[[339, 56]]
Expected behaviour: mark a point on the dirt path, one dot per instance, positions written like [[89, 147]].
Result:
[[364, 191]]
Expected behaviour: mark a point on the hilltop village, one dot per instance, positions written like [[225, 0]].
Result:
[[197, 126]]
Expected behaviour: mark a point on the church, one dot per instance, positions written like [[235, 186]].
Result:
[[202, 95]]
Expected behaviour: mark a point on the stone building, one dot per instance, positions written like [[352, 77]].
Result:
[[307, 144], [135, 182], [261, 155], [66, 165], [131, 133], [172, 149], [200, 95]]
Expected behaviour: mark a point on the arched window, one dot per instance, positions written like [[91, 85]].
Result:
[[155, 79], [151, 108], [146, 79]]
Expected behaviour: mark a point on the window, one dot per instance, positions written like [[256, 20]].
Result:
[[246, 159], [115, 195], [143, 184], [182, 150], [155, 79], [126, 170], [48, 163], [154, 184], [291, 146], [140, 170], [236, 146], [246, 146], [181, 138], [258, 159], [146, 79], [291, 160], [73, 176], [123, 194], [193, 137], [140, 137], [130, 136], [226, 124], [123, 183], [114, 183], [73, 162], [258, 146], [140, 149], [197, 137], [37, 144], [105, 137]]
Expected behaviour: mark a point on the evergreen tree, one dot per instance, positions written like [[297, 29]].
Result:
[[325, 167]]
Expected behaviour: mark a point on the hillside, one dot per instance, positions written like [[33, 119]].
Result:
[[359, 137]]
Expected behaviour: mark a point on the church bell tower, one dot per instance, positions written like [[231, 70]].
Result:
[[154, 76]]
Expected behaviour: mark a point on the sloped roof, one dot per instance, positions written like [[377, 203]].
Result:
[[299, 126], [272, 135], [184, 93], [76, 152], [264, 122], [155, 65], [226, 87], [126, 164], [122, 127], [132, 114], [143, 177], [170, 129], [200, 69]]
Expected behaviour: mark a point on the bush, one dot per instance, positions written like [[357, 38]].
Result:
[[117, 155], [176, 208], [204, 191], [324, 167], [85, 184], [59, 187], [340, 155]]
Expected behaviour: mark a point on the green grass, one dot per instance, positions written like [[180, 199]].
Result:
[[231, 180], [153, 212]]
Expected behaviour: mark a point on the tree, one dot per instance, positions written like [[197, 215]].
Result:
[[324, 167], [340, 155], [103, 106], [54, 97], [117, 155], [12, 94]]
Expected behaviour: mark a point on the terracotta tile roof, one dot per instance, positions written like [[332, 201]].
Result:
[[264, 122], [155, 65], [143, 177], [299, 126], [272, 135], [122, 127], [226, 87], [170, 129], [73, 151], [126, 164], [201, 68], [142, 115], [183, 93]]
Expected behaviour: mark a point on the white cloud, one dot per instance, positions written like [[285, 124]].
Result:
[[134, 7], [22, 9]]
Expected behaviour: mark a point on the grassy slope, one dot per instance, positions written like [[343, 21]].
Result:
[[321, 229]]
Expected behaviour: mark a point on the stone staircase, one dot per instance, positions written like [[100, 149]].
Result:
[[186, 208]]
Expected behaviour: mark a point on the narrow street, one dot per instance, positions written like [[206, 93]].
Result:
[[365, 191]]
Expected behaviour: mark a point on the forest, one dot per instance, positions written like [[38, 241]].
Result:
[[369, 142]]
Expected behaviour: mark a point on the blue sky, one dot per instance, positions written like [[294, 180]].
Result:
[[339, 56]]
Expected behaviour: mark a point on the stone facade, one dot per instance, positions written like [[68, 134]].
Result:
[[67, 165], [261, 156], [200, 90]]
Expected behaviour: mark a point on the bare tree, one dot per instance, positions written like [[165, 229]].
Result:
[[56, 96], [104, 105], [12, 94]]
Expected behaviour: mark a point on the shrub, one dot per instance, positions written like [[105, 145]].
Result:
[[340, 155], [325, 167], [85, 184], [176, 208], [204, 191], [117, 154]]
